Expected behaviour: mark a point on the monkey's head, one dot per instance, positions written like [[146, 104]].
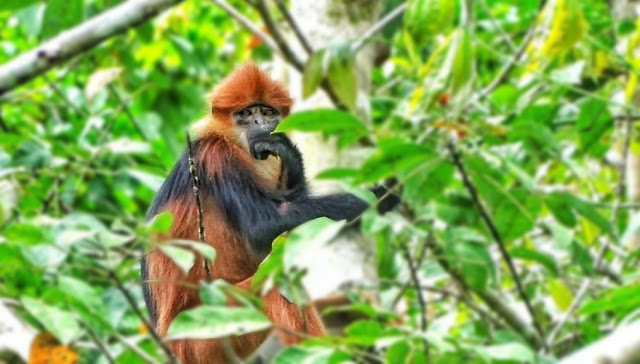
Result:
[[250, 102]]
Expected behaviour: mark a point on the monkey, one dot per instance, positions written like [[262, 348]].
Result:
[[252, 189]]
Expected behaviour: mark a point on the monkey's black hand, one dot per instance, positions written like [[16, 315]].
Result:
[[387, 199], [275, 144]]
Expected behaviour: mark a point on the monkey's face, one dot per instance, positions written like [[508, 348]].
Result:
[[257, 119]]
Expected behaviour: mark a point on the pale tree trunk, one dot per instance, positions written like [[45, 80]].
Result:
[[350, 257]]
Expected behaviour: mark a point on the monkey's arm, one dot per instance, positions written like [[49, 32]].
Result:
[[261, 215]]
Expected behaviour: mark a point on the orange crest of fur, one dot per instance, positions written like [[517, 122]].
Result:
[[245, 86]]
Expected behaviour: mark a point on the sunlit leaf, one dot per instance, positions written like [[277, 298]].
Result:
[[60, 323], [211, 322], [161, 223], [561, 294], [329, 121], [183, 258], [314, 71]]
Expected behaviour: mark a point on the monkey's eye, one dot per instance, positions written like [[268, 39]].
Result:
[[268, 112], [245, 113]]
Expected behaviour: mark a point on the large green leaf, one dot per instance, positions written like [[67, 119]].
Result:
[[212, 322], [470, 258], [60, 323], [594, 122], [342, 74], [301, 355], [314, 72], [328, 121]]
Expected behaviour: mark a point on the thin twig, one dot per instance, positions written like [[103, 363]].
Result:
[[383, 22], [413, 270], [294, 26], [505, 37], [247, 23], [493, 301], [277, 35], [141, 353], [100, 344], [127, 111], [496, 236], [289, 55], [506, 71], [132, 303], [196, 193], [586, 284]]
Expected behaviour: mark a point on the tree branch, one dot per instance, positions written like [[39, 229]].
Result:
[[78, 39], [248, 24], [413, 269], [132, 303], [493, 300], [369, 33], [277, 35], [294, 26], [496, 236]]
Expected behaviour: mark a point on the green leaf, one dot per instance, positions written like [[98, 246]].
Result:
[[301, 355], [61, 15], [308, 238], [594, 121], [429, 184], [183, 258], [314, 72], [83, 293], [203, 249], [60, 323], [364, 332], [272, 265], [398, 352], [527, 254], [559, 203], [620, 299], [561, 294], [150, 180], [471, 259], [515, 214], [516, 352], [342, 75], [463, 66], [328, 121], [424, 19], [44, 255], [394, 156], [580, 255], [212, 322], [16, 4], [211, 294], [161, 223]]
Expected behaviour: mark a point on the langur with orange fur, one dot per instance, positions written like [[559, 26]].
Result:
[[252, 189]]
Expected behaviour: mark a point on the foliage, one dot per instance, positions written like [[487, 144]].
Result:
[[507, 126]]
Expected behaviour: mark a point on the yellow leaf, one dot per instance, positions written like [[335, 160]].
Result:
[[568, 27], [561, 294]]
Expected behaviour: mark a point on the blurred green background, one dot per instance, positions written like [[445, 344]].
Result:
[[510, 126]]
